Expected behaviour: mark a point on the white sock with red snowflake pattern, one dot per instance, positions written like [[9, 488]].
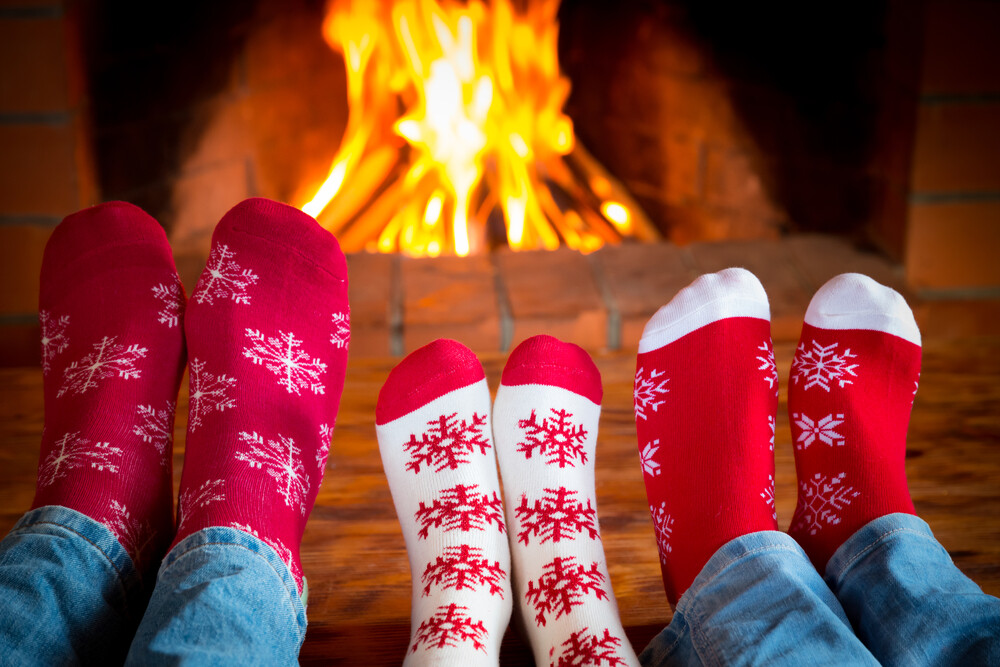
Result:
[[545, 423], [433, 426], [853, 381]]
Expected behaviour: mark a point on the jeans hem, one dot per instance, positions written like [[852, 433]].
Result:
[[869, 537]]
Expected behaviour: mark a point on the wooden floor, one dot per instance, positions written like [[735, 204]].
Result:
[[354, 556]]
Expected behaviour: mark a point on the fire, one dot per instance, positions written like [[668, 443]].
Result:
[[481, 134]]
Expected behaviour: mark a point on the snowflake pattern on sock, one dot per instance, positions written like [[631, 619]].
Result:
[[766, 359], [109, 359], [134, 535], [823, 430], [821, 497], [207, 393], [770, 426], [650, 466], [323, 453], [464, 567], [556, 516], [171, 297], [583, 649], [341, 336], [768, 495], [54, 338], [210, 491], [224, 279], [284, 553], [449, 626], [156, 427], [663, 527], [71, 452], [295, 368], [563, 584], [647, 391], [460, 508], [281, 460], [447, 443], [821, 366], [557, 438]]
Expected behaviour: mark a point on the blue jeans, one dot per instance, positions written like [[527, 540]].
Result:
[[892, 596], [70, 594]]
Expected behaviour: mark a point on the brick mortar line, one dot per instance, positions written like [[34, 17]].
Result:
[[613, 340], [395, 307], [43, 221], [504, 310], [18, 319], [954, 197]]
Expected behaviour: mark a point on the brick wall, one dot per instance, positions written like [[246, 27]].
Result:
[[46, 168], [953, 230]]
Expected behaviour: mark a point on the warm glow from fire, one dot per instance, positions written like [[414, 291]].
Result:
[[481, 131]]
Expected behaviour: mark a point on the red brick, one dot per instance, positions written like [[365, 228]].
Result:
[[370, 278], [19, 345], [961, 50], [201, 198], [554, 293], [956, 148], [21, 249], [38, 170], [954, 245], [820, 257], [34, 63], [959, 318]]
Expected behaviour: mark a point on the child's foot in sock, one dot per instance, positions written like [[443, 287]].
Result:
[[853, 381], [267, 333], [545, 422], [433, 426], [706, 395], [111, 309]]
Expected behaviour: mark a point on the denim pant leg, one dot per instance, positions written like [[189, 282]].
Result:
[[908, 602], [222, 596], [68, 591], [758, 601]]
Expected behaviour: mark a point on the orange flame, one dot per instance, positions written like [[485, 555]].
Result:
[[482, 128]]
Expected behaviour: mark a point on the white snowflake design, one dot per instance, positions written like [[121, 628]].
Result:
[[284, 553], [821, 366], [647, 388], [134, 535], [281, 459], [325, 436], [210, 491], [54, 338], [207, 393], [649, 465], [820, 498], [172, 297], [341, 336], [223, 278], [71, 452], [766, 359], [768, 495], [823, 430], [156, 428], [770, 425], [296, 370], [109, 359], [663, 527]]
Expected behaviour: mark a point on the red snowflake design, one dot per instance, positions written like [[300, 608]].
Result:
[[583, 650], [464, 567], [460, 508], [447, 443], [448, 627], [556, 438], [557, 516], [562, 586]]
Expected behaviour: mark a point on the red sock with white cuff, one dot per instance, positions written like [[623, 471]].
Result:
[[853, 381], [267, 332], [111, 308], [706, 395]]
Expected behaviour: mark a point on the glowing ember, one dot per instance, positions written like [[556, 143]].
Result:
[[482, 130]]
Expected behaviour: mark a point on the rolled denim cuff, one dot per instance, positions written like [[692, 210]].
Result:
[[872, 536]]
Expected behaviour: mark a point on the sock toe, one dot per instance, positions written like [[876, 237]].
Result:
[[733, 292], [855, 301], [549, 361]]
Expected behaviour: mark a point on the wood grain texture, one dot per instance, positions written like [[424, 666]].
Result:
[[355, 559]]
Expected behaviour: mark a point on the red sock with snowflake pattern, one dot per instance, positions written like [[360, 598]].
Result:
[[433, 426], [706, 395], [111, 308], [853, 381], [267, 332], [545, 423]]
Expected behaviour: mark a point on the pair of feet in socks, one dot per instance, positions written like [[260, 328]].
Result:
[[266, 331], [706, 398]]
